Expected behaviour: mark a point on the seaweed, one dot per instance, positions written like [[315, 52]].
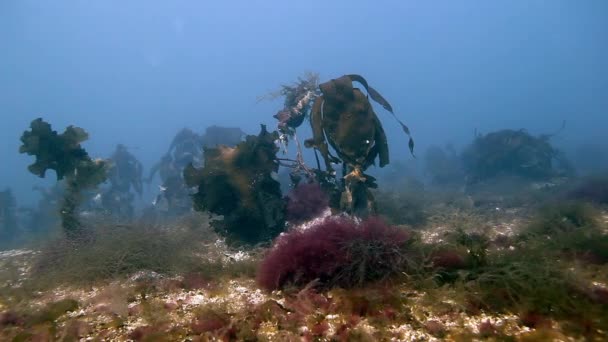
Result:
[[216, 135], [238, 183], [125, 172], [297, 104], [63, 154], [119, 251], [570, 230], [305, 202], [558, 218], [513, 153], [336, 252], [186, 148]]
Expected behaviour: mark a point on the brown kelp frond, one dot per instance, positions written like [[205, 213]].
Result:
[[59, 152], [63, 154], [375, 95], [238, 184]]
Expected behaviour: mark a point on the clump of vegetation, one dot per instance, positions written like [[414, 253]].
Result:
[[336, 252], [458, 258], [237, 183], [305, 202], [532, 283], [119, 251], [308, 314], [513, 153], [54, 310], [534, 277], [564, 217], [39, 324], [63, 154], [298, 102], [572, 229]]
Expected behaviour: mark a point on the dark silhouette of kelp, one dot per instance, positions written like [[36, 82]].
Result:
[[513, 153], [63, 154], [238, 184]]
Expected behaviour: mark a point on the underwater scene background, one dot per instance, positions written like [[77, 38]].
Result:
[[317, 171]]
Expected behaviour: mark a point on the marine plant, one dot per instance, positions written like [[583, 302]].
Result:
[[548, 272], [120, 251], [337, 251], [125, 172], [217, 135], [305, 202], [64, 154], [571, 230], [558, 218], [238, 184], [298, 101], [341, 116], [512, 153]]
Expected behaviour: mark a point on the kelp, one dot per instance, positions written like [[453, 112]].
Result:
[[63, 154], [125, 173], [238, 184], [217, 135], [186, 148], [513, 153], [342, 117], [59, 152], [299, 97], [375, 95]]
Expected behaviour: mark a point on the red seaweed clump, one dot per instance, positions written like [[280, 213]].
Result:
[[335, 252], [10, 318], [535, 320], [149, 333], [211, 322], [449, 259], [195, 281], [487, 329], [306, 202]]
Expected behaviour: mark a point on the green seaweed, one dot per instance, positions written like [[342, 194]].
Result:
[[558, 218], [52, 311]]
